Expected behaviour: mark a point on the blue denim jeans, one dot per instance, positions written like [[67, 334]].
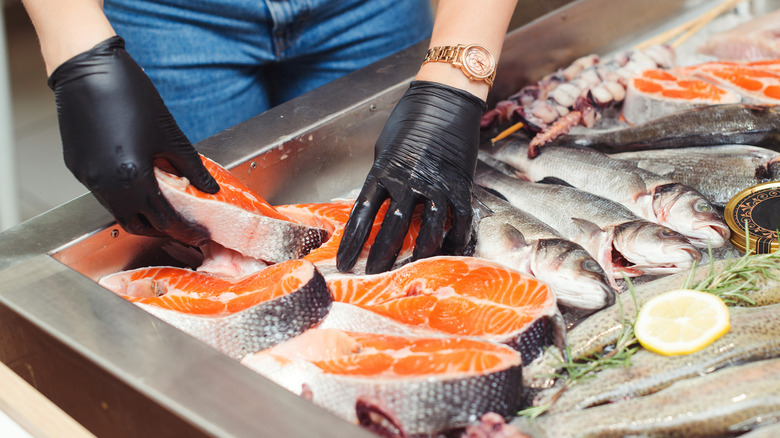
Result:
[[217, 63]]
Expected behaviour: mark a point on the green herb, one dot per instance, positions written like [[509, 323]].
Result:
[[738, 277], [575, 371]]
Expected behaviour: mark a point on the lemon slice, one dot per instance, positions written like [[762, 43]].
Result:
[[681, 321]]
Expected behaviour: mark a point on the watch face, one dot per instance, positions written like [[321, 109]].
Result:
[[479, 61]]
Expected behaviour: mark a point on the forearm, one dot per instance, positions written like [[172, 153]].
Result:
[[467, 22], [67, 28]]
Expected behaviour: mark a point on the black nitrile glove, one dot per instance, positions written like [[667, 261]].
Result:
[[114, 125], [427, 153]]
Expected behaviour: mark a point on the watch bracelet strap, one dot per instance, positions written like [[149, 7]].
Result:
[[451, 54]]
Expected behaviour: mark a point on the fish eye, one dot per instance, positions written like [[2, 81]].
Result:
[[592, 266], [667, 232], [703, 207]]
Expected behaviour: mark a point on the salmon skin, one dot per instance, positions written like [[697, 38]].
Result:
[[239, 219], [420, 386], [237, 316], [757, 125], [332, 217], [463, 296]]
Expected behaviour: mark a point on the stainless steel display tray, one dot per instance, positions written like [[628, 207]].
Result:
[[122, 372]]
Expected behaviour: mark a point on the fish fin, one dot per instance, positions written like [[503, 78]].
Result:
[[586, 226], [659, 168], [495, 193], [554, 181], [514, 238]]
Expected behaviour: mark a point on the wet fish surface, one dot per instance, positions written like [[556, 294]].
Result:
[[650, 196], [238, 218], [722, 403], [717, 172], [520, 241], [332, 217], [757, 125], [418, 386], [754, 334], [463, 296], [618, 239], [237, 316]]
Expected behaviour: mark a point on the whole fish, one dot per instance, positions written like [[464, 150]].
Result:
[[648, 195], [618, 239], [704, 126], [237, 316], [406, 385], [717, 172], [520, 241], [601, 330], [238, 218], [723, 403], [449, 295], [754, 334]]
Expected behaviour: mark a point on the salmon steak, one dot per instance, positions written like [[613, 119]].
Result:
[[396, 385], [462, 296], [655, 93], [757, 82], [239, 219], [332, 217], [237, 316]]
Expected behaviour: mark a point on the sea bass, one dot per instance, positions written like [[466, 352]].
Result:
[[650, 196], [417, 386], [757, 125], [237, 316], [754, 334], [239, 219], [722, 403], [463, 296], [619, 240], [520, 241], [717, 172]]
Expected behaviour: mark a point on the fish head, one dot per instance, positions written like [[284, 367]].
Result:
[[654, 249], [686, 211], [770, 172], [576, 278]]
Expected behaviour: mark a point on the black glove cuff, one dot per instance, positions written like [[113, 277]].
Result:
[[447, 92], [105, 48]]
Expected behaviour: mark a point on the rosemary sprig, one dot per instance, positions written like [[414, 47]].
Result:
[[738, 277], [574, 371]]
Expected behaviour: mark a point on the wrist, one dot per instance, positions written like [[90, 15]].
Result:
[[446, 74]]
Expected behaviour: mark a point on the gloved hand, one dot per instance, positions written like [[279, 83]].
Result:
[[427, 153], [114, 125]]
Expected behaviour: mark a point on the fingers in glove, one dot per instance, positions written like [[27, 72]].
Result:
[[391, 236], [161, 216], [429, 240], [459, 234], [188, 164], [361, 219]]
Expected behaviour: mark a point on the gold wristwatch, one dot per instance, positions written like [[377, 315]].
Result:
[[474, 60]]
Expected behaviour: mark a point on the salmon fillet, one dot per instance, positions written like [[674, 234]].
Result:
[[420, 385]]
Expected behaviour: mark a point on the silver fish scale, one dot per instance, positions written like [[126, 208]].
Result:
[[276, 241], [721, 403], [423, 407], [258, 327], [754, 335]]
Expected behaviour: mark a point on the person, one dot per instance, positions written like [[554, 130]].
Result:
[[207, 65]]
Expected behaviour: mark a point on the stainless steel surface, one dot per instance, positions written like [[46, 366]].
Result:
[[120, 371]]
